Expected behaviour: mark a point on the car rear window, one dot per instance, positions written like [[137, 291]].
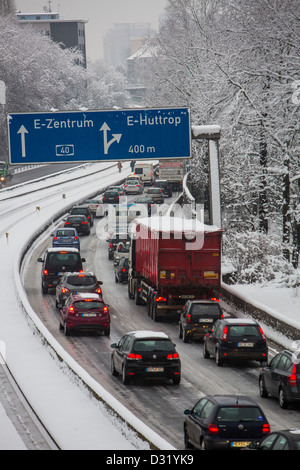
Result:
[[79, 210], [65, 233], [76, 219], [88, 304], [235, 331], [82, 280], [205, 309], [239, 413], [63, 259], [153, 345]]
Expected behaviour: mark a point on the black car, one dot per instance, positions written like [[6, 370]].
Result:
[[76, 282], [197, 317], [281, 378], [121, 270], [56, 262], [83, 210], [111, 196], [165, 187], [224, 422], [235, 338], [145, 354], [148, 202], [285, 439], [113, 241], [80, 222]]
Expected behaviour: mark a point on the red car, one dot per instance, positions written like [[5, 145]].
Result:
[[84, 312]]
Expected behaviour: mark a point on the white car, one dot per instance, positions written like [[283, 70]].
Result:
[[133, 185]]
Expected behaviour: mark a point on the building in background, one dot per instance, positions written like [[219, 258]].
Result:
[[68, 33], [118, 41]]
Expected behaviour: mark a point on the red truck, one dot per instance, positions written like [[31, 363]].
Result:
[[172, 260]]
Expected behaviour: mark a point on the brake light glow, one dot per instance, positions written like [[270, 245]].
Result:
[[123, 270], [71, 309], [105, 309], [98, 290], [213, 429], [173, 356], [293, 376], [224, 334], [188, 318], [64, 290], [160, 299], [46, 272], [262, 333], [134, 356], [266, 428]]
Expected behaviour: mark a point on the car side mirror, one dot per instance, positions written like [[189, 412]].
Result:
[[40, 260], [187, 412], [114, 345], [83, 260]]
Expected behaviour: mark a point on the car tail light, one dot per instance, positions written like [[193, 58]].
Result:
[[224, 336], [64, 290], [67, 223], [266, 428], [160, 299], [75, 238], [84, 223], [123, 270], [293, 376], [213, 429], [105, 309], [110, 245], [98, 290], [262, 333], [46, 272], [54, 238], [134, 356], [188, 318], [173, 356], [71, 309], [215, 299]]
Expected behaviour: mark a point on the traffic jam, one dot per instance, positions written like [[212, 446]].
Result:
[[172, 269]]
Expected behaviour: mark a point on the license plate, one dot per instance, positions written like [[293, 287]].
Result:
[[245, 345], [240, 444], [155, 369], [205, 320], [89, 314]]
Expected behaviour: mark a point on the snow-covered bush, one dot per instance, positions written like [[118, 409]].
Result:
[[257, 258]]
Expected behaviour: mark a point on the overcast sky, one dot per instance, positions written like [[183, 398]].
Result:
[[101, 15]]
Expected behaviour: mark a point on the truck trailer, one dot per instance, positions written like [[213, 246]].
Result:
[[172, 260], [172, 171]]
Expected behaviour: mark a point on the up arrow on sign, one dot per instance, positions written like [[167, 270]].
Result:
[[23, 131]]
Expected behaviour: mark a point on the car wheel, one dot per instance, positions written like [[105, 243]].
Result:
[[176, 379], [179, 331], [125, 377], [262, 389], [113, 369], [61, 326], [44, 289], [283, 403], [106, 332], [185, 336], [219, 360], [206, 354], [187, 443], [66, 329]]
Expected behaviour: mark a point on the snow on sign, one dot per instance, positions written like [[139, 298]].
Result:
[[94, 136]]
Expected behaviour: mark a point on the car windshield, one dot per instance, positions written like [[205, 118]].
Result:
[[153, 345], [235, 331], [88, 304], [76, 219], [81, 280], [65, 233], [239, 413], [205, 309]]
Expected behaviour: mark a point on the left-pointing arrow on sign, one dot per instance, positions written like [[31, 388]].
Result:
[[23, 131]]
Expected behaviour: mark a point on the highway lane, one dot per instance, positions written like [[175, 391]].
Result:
[[159, 404]]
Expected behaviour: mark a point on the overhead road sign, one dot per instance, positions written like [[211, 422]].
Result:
[[96, 136]]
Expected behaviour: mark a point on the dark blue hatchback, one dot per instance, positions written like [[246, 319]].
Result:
[[66, 237]]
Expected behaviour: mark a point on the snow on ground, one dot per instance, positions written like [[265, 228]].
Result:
[[72, 415]]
